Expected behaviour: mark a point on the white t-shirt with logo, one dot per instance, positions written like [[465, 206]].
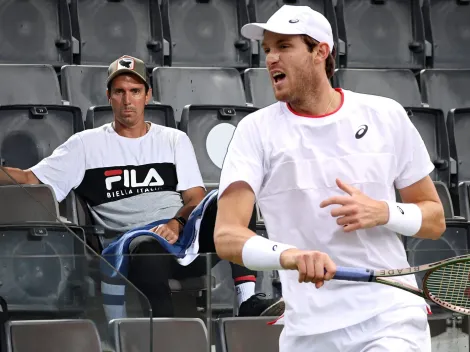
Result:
[[292, 162], [127, 182]]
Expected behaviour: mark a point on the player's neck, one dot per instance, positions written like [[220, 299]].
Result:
[[319, 102], [135, 131]]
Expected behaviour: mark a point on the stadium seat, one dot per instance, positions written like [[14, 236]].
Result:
[[458, 122], [28, 203], [206, 33], [53, 336], [29, 133], [178, 87], [262, 10], [169, 334], [159, 114], [84, 86], [448, 26], [249, 334], [107, 30], [210, 129], [258, 88], [29, 84], [382, 34], [431, 125], [453, 242], [35, 32], [396, 84], [445, 89], [464, 199]]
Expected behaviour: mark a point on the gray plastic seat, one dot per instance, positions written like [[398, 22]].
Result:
[[431, 125], [445, 89], [36, 32], [458, 123], [382, 34], [206, 33], [84, 86], [30, 133], [448, 24], [396, 84], [258, 87], [29, 84], [109, 29], [181, 86], [210, 129], [53, 336], [169, 334], [249, 334]]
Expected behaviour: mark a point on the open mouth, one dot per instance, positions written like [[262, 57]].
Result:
[[278, 76]]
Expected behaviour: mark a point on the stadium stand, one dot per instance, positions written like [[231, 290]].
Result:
[[35, 32], [206, 78]]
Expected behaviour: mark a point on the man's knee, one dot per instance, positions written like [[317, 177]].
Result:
[[146, 245]]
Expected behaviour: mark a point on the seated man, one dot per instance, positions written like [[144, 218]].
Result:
[[133, 173]]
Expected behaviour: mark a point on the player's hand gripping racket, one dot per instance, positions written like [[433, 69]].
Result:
[[446, 282]]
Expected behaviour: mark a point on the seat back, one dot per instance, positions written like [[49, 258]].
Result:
[[396, 84], [258, 88], [210, 129], [448, 25], [28, 203], [458, 122], [36, 32], [162, 115], [169, 334], [431, 125], [29, 84], [107, 30], [206, 33], [249, 334], [445, 89], [30, 133], [178, 87], [53, 336], [84, 86], [382, 34]]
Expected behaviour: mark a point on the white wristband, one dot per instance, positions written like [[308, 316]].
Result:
[[404, 218], [261, 254]]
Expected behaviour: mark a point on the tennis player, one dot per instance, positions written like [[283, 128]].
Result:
[[322, 164]]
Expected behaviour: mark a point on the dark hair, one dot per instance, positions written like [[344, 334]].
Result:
[[147, 87], [330, 60]]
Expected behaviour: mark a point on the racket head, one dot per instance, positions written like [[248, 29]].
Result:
[[448, 285]]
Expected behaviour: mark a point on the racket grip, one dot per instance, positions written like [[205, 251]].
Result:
[[353, 274]]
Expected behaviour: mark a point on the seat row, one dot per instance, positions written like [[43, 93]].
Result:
[[374, 34]]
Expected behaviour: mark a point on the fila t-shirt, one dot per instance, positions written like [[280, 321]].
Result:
[[292, 162], [126, 182]]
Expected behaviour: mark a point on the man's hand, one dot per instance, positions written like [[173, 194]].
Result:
[[311, 265], [357, 210], [169, 231]]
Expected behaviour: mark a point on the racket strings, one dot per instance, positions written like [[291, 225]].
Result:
[[450, 284]]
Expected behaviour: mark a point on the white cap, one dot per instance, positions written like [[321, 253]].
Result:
[[292, 20]]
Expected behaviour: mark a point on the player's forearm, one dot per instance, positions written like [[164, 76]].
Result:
[[433, 222], [229, 242]]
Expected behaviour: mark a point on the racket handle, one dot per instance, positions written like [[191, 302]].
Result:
[[353, 274]]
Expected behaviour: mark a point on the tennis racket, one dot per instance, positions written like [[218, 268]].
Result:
[[445, 282]]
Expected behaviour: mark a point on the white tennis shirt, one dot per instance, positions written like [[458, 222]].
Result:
[[291, 162]]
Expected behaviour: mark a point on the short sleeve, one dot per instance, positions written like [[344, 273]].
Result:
[[187, 169], [413, 160], [64, 169], [244, 160]]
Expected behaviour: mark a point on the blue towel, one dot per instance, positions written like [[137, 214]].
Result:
[[113, 284]]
